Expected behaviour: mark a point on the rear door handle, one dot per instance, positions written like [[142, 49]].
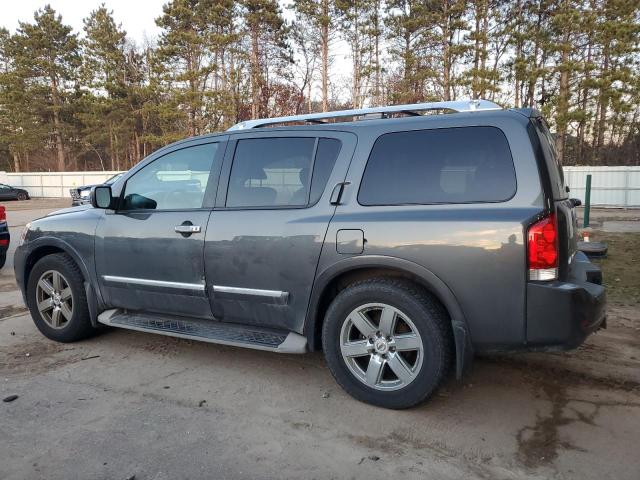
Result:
[[336, 194]]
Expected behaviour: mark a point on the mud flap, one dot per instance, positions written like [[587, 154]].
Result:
[[464, 351]]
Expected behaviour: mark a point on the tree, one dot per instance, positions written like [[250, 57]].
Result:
[[267, 35], [314, 19], [47, 54], [195, 35]]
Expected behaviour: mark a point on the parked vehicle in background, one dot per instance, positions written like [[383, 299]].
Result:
[[398, 246], [7, 192], [5, 238], [80, 195]]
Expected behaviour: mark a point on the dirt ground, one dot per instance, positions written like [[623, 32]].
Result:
[[127, 404]]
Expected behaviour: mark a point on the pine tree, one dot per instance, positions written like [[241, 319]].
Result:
[[47, 55]]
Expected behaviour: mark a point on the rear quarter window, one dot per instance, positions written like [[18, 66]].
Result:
[[451, 165]]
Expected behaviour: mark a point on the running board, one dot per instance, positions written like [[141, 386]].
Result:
[[210, 331]]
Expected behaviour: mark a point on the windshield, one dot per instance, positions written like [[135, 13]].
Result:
[[113, 179]]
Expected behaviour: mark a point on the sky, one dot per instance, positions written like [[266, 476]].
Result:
[[136, 16]]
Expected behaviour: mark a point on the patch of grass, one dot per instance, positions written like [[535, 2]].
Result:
[[621, 267]]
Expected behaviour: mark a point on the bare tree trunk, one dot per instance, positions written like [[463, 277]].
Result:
[[255, 73], [324, 39], [378, 79], [16, 162], [57, 125], [563, 106], [484, 43], [111, 148], [603, 102], [446, 50]]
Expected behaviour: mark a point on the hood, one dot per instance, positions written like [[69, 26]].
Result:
[[78, 208]]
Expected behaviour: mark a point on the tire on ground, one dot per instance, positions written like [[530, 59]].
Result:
[[79, 326], [426, 313]]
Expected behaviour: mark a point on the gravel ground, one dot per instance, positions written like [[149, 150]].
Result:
[[126, 403]]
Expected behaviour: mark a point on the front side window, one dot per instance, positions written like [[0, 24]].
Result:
[[177, 180], [449, 165]]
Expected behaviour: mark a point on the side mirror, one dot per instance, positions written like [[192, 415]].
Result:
[[101, 196]]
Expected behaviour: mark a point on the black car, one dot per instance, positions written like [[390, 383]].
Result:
[[4, 236], [8, 192], [80, 195]]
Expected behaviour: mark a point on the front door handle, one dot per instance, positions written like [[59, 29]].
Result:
[[187, 228]]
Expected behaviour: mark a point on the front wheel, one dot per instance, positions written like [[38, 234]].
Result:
[[22, 196], [57, 299], [387, 342]]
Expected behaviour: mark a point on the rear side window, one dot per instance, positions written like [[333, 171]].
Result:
[[280, 172], [548, 144], [451, 165], [326, 155]]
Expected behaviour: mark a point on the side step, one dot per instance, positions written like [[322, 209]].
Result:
[[210, 331]]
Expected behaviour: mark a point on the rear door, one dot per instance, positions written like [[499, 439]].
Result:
[[266, 232], [149, 252]]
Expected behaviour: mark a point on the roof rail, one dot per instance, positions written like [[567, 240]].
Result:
[[410, 109]]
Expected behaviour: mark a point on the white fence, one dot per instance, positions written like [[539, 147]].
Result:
[[53, 184], [610, 186]]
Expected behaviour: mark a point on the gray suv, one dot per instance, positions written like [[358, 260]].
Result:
[[399, 240]]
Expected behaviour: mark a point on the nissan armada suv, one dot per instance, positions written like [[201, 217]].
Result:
[[397, 240]]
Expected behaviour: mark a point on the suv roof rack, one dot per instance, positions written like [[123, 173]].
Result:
[[410, 109]]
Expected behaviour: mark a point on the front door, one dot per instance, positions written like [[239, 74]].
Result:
[[149, 252], [266, 232]]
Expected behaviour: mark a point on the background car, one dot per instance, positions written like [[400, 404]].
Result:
[[4, 236], [8, 192], [80, 195]]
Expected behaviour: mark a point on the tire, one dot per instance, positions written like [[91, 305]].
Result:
[[72, 321], [22, 196], [420, 321], [3, 259]]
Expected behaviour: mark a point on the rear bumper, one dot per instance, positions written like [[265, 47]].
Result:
[[561, 315]]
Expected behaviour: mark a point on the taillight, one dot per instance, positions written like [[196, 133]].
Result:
[[542, 247], [3, 214]]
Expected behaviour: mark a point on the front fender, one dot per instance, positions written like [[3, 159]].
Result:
[[28, 254]]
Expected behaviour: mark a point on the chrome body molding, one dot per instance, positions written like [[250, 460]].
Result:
[[153, 283], [254, 292]]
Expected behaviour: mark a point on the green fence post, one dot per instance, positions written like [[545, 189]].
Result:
[[587, 202]]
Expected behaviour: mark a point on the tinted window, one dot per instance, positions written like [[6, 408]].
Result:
[[270, 172], [177, 180], [548, 145], [326, 155], [452, 165]]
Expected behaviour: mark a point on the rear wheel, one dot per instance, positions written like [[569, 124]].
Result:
[[57, 299], [3, 259], [22, 196], [387, 342]]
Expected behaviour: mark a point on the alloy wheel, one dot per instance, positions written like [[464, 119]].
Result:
[[381, 346], [54, 299]]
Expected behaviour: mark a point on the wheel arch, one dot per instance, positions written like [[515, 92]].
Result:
[[336, 277], [45, 246]]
